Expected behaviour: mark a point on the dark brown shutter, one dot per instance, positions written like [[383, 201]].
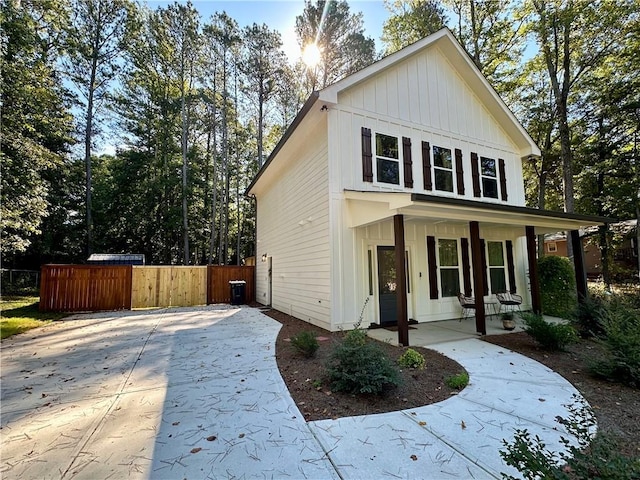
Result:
[[511, 267], [433, 268], [483, 256], [426, 165], [408, 165], [503, 179], [367, 158], [466, 266], [459, 172], [475, 175]]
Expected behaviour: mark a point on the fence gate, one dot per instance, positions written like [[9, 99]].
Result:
[[166, 286]]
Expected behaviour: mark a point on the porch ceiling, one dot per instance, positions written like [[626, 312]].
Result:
[[366, 208]]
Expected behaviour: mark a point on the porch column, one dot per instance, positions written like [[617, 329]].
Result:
[[401, 281], [478, 276], [578, 265], [536, 304]]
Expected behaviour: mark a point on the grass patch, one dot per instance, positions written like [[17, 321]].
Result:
[[19, 314], [458, 381]]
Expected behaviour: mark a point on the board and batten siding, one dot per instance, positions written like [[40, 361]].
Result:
[[424, 98], [293, 229]]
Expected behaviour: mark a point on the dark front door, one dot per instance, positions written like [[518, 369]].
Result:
[[387, 285]]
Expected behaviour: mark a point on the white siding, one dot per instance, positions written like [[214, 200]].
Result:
[[293, 229], [421, 307], [423, 98]]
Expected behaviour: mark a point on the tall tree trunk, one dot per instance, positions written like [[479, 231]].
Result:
[[87, 150], [185, 211]]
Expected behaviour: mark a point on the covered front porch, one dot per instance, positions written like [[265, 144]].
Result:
[[479, 221], [431, 333]]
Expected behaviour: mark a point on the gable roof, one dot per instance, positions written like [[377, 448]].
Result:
[[456, 55], [462, 62]]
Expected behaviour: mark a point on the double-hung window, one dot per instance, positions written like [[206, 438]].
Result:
[[497, 276], [489, 177], [443, 169], [387, 159], [449, 267]]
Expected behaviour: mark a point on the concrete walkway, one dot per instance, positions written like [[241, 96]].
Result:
[[195, 393]]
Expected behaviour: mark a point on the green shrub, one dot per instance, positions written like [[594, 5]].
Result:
[[411, 359], [557, 286], [592, 457], [458, 381], [359, 366], [551, 336], [305, 343], [589, 316], [621, 327]]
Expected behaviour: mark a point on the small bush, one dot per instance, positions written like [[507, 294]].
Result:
[[550, 336], [557, 286], [458, 381], [411, 359], [589, 316], [305, 343], [592, 457], [359, 366], [621, 327]]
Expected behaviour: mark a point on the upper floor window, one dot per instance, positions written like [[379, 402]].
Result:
[[489, 177], [387, 159], [443, 169]]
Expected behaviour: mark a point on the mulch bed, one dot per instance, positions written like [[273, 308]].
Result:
[[306, 378], [617, 407]]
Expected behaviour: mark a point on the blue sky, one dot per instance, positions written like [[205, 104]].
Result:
[[281, 15]]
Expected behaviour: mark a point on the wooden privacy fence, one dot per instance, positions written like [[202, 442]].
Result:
[[84, 288], [218, 278], [168, 286]]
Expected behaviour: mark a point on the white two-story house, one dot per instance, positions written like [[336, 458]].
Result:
[[400, 184]]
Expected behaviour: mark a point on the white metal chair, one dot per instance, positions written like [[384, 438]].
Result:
[[468, 305]]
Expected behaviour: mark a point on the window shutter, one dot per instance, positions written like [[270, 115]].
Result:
[[511, 267], [466, 266], [459, 172], [483, 256], [475, 174], [408, 165], [426, 165], [503, 179], [367, 158], [433, 269]]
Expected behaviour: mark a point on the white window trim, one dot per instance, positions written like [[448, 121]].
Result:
[[495, 179], [452, 170], [440, 267], [504, 265], [396, 186], [552, 247]]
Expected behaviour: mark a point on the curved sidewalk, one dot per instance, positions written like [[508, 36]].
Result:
[[196, 393]]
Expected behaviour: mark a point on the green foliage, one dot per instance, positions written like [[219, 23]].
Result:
[[591, 457], [621, 327], [409, 22], [589, 315], [458, 381], [359, 366], [411, 359], [557, 286], [551, 336], [305, 343]]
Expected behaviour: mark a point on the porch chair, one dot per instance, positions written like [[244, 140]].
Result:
[[509, 300], [468, 305]]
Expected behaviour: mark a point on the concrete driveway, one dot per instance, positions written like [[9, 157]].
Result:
[[153, 394], [195, 393]]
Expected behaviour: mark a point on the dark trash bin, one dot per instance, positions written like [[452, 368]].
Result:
[[237, 292]]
